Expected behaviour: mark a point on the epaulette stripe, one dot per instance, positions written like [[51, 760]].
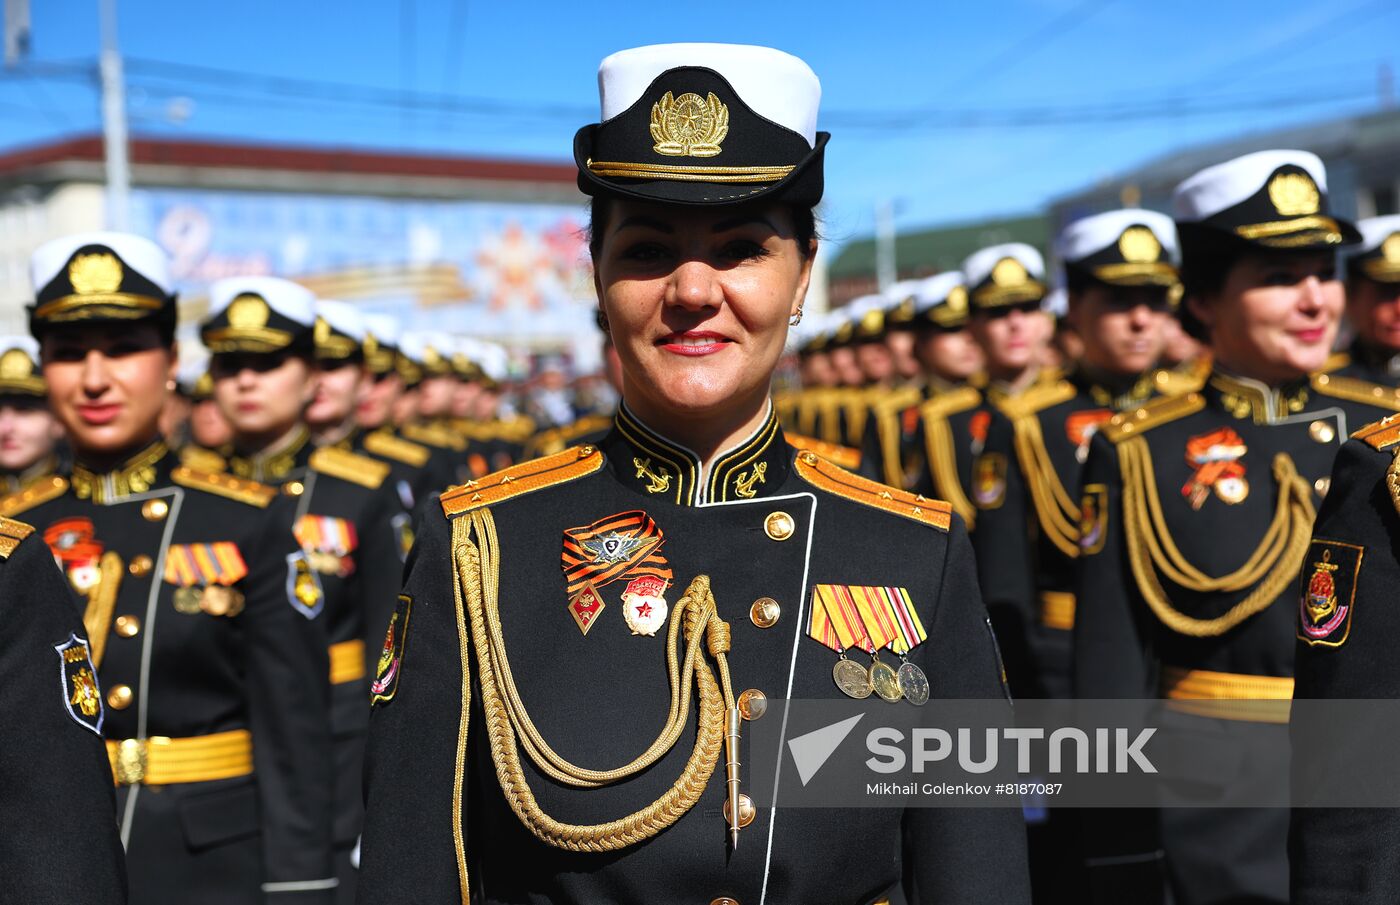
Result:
[[348, 466], [398, 449], [11, 533], [201, 459], [1354, 390], [1038, 398], [224, 485], [527, 477], [844, 456], [945, 404], [829, 477], [1151, 414], [1381, 434], [35, 494], [433, 436]]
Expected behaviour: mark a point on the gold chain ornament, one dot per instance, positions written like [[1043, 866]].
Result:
[[476, 587]]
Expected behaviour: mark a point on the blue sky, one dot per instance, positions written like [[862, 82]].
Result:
[[908, 87]]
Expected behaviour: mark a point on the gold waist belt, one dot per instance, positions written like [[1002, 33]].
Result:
[[1228, 695], [159, 761], [347, 662], [1057, 610]]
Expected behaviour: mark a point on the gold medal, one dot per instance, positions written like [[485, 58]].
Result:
[[885, 681], [220, 600], [913, 683], [852, 678], [188, 600]]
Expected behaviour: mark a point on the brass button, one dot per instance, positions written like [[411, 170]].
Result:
[[779, 526], [724, 900], [155, 510], [293, 488], [140, 565], [1322, 431], [747, 812], [765, 612], [119, 698], [1322, 485], [752, 704], [127, 626]]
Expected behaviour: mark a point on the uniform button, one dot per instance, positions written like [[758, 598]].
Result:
[[293, 488], [140, 565], [752, 704], [119, 698], [127, 626], [765, 612], [155, 510], [779, 526], [1322, 431], [747, 811], [1322, 485]]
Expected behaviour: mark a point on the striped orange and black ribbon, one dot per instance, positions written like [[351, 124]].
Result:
[[625, 545], [187, 565]]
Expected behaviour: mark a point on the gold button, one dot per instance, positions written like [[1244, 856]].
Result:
[[127, 626], [1322, 485], [779, 526], [119, 698], [747, 812], [140, 565], [752, 704], [293, 488], [1322, 431], [155, 510], [765, 612]]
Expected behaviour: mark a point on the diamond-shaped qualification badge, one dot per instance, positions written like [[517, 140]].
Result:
[[585, 607]]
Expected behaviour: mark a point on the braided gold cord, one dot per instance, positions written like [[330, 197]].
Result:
[[1276, 560], [943, 463], [1058, 514], [1392, 479], [509, 728]]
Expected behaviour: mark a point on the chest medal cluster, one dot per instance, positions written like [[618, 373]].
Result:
[[622, 547], [873, 619]]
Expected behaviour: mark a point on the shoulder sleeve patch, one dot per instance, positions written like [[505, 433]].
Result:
[[224, 485], [820, 473], [11, 533], [844, 456], [1159, 411], [527, 477], [1355, 390], [398, 449], [1381, 434], [39, 492], [348, 466], [945, 404], [201, 459]]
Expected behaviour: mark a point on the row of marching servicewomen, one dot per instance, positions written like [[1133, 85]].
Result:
[[1139, 531]]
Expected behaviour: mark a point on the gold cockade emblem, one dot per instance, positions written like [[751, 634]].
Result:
[[744, 484], [1139, 245], [957, 299], [659, 483], [15, 365], [1390, 248], [1009, 272], [321, 332], [689, 125], [95, 274], [1294, 194], [247, 312]]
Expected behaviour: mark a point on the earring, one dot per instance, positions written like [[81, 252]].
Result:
[[602, 320], [797, 318], [170, 385]]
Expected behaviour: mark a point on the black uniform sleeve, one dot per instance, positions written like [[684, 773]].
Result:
[[1348, 855], [1005, 564], [57, 804], [872, 451], [288, 672], [949, 846]]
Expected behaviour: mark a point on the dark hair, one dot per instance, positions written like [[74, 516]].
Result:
[[1207, 255], [804, 221]]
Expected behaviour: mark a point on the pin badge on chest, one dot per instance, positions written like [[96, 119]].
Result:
[[644, 605]]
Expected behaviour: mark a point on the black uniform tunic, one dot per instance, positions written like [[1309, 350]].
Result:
[[599, 697]]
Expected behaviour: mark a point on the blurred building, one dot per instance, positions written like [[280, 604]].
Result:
[[494, 248]]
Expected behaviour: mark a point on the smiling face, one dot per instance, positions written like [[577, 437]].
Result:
[[1374, 310], [1122, 327], [263, 395], [698, 303], [107, 385], [1275, 316]]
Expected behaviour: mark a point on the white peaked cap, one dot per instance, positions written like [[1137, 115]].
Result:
[[139, 253], [1090, 235], [979, 264], [26, 344], [343, 317], [1225, 185], [291, 300], [1374, 231], [384, 327], [776, 85], [935, 289]]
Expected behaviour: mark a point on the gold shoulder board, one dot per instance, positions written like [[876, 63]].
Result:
[[1381, 434], [201, 459], [1355, 390], [1174, 383], [35, 494], [897, 401], [434, 436], [1335, 362], [1159, 411], [1038, 397], [348, 466], [11, 533], [945, 404], [398, 449], [527, 477], [225, 485], [832, 452], [585, 425], [818, 472]]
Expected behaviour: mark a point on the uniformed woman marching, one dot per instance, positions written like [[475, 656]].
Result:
[[530, 641], [199, 611], [1196, 514]]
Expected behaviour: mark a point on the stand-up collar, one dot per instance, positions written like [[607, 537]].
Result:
[[1242, 397], [1112, 390], [647, 462], [277, 461], [137, 474]]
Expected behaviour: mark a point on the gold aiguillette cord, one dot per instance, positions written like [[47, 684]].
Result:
[[509, 728], [102, 602]]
